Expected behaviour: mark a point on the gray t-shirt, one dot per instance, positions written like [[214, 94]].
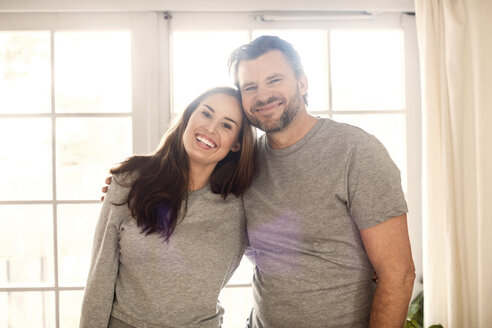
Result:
[[146, 282], [304, 212]]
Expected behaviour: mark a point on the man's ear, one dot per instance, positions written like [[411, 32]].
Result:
[[236, 147], [303, 84]]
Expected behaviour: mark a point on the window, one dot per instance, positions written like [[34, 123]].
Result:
[[68, 113], [81, 92], [368, 85]]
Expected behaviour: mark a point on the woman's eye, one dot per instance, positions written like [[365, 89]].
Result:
[[275, 80], [206, 114], [227, 125]]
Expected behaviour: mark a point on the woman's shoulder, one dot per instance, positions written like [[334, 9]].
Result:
[[125, 178], [120, 186]]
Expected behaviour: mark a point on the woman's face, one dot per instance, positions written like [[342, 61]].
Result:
[[213, 130]]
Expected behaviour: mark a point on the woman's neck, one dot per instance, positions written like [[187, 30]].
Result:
[[199, 176]]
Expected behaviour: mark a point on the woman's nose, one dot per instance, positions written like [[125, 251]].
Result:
[[211, 126]]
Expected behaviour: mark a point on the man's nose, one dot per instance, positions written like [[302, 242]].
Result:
[[263, 94]]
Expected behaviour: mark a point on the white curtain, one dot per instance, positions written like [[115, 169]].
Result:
[[455, 41]]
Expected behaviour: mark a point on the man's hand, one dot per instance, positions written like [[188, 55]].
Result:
[[375, 277], [105, 188]]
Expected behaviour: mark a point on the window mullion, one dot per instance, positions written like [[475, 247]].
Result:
[[53, 165], [330, 91]]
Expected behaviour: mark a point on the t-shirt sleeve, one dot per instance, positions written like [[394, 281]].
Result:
[[99, 292], [373, 184]]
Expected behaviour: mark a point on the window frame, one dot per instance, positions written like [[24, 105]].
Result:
[[149, 105]]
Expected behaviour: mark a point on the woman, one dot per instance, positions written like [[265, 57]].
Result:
[[170, 234]]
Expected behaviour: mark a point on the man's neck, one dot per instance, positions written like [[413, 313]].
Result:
[[295, 131]]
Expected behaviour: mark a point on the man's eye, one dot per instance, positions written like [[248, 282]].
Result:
[[251, 88], [275, 81]]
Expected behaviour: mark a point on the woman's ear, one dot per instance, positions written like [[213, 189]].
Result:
[[236, 147]]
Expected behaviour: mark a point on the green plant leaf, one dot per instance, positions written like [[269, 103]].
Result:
[[412, 324], [416, 310]]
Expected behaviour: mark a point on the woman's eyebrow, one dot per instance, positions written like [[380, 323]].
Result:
[[209, 107], [230, 119], [227, 118]]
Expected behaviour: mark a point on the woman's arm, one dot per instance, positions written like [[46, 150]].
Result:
[[99, 291]]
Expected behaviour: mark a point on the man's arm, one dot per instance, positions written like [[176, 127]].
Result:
[[388, 247]]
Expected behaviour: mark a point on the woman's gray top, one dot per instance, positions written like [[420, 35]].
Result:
[[147, 282]]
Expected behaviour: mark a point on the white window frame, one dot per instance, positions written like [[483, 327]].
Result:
[[150, 105]]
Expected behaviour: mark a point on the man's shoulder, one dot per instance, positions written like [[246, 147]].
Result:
[[346, 130], [351, 136]]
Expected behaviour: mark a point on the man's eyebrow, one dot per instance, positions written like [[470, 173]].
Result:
[[274, 76], [227, 118]]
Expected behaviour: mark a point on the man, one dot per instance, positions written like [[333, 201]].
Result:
[[325, 210]]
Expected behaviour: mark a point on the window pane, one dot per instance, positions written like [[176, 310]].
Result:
[[25, 159], [243, 274], [26, 255], [389, 129], [367, 69], [200, 62], [25, 73], [70, 306], [76, 224], [93, 72], [312, 46], [27, 309], [237, 302], [86, 149]]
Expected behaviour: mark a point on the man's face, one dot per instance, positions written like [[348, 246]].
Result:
[[271, 94]]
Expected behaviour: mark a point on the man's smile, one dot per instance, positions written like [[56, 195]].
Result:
[[269, 106]]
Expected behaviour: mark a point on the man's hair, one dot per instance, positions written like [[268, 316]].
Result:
[[260, 46]]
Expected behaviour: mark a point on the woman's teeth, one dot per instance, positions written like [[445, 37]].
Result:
[[206, 141]]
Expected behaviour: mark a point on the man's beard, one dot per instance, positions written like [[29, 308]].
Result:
[[289, 113]]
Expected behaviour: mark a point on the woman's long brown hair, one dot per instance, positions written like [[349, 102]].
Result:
[[160, 184]]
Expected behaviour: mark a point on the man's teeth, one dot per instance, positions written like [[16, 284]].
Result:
[[205, 141]]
